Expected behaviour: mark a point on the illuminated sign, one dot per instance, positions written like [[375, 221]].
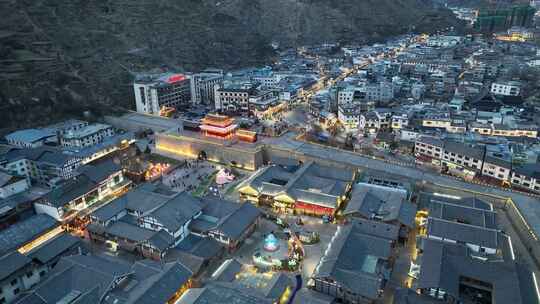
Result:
[[176, 78]]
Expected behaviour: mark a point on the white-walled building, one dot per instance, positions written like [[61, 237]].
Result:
[[44, 165], [203, 86], [497, 168], [94, 183], [508, 88], [30, 138], [400, 121], [349, 116], [87, 136], [12, 184], [527, 176], [154, 92]]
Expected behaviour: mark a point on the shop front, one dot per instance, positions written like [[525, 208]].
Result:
[[312, 209]]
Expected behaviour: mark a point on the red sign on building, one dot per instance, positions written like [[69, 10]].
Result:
[[176, 78]]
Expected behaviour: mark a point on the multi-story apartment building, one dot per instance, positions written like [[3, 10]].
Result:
[[451, 154], [429, 146], [400, 121], [204, 86], [375, 120], [508, 88], [155, 92], [44, 165], [497, 167], [382, 91], [527, 176], [355, 96], [349, 116], [87, 136], [234, 99]]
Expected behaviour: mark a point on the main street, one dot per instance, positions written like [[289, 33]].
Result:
[[324, 84]]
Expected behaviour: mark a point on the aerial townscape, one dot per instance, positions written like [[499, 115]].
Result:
[[404, 170]]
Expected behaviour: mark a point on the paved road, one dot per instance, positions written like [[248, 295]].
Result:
[[529, 206], [297, 288]]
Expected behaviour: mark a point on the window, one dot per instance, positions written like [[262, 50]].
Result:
[[29, 274], [14, 282]]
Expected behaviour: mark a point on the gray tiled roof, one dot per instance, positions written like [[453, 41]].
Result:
[[162, 286], [377, 229], [111, 209], [472, 202], [463, 214], [12, 262], [311, 183], [161, 240], [53, 157], [68, 191], [465, 150], [22, 232], [223, 293], [390, 204], [430, 141], [88, 276], [529, 170], [443, 266], [129, 231], [409, 296], [236, 224], [97, 172], [480, 236], [227, 271], [356, 261], [205, 248], [177, 212], [146, 198], [498, 161], [54, 247]]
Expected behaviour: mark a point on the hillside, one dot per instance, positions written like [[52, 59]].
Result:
[[61, 57]]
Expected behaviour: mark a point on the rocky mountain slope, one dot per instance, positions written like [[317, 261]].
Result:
[[60, 57]]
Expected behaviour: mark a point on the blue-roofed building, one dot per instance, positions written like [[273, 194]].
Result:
[[30, 138]]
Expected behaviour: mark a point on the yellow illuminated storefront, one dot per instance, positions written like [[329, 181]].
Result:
[[40, 240]]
